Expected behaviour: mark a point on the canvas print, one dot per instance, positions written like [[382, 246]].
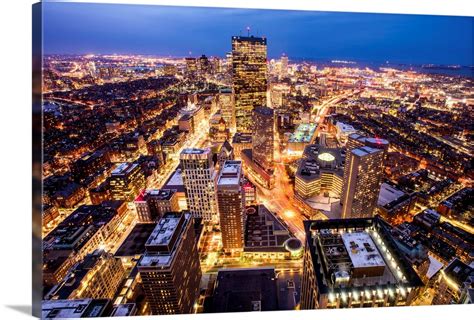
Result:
[[211, 160]]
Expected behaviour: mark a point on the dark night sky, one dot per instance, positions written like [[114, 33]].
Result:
[[158, 30]]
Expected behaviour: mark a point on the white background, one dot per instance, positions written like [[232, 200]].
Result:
[[15, 152]]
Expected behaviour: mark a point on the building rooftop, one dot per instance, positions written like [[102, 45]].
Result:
[[345, 128], [263, 231], [389, 194], [124, 168], [318, 159], [458, 272], [161, 245], [303, 133], [164, 233], [240, 137], [362, 250], [194, 153], [250, 39], [231, 173], [364, 151], [158, 194], [123, 310], [69, 309], [242, 289], [357, 253], [134, 244], [175, 181]]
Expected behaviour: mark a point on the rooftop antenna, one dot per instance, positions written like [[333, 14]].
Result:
[[248, 31]]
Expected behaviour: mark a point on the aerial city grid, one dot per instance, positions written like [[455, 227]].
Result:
[[244, 182]]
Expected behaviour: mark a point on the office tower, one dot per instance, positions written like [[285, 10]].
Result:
[[191, 66], [126, 181], [351, 263], [249, 78], [231, 204], [204, 65], [226, 106], [99, 275], [199, 178], [170, 269], [262, 141], [363, 172], [153, 203], [283, 66], [362, 180]]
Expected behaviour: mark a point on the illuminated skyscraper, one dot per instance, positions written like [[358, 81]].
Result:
[[226, 107], [249, 78], [362, 180], [199, 178], [170, 268], [367, 173], [231, 204], [283, 66], [262, 141], [191, 66]]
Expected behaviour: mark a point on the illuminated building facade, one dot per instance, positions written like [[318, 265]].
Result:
[[249, 78], [283, 66], [354, 263], [170, 268], [320, 170], [126, 181], [199, 177], [191, 66], [362, 182], [226, 105], [455, 282], [262, 141], [153, 203], [231, 204], [363, 172], [99, 275]]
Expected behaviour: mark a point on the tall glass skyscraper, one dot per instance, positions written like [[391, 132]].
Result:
[[249, 78]]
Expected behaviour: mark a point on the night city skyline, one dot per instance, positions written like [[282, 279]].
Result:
[[74, 28], [241, 178]]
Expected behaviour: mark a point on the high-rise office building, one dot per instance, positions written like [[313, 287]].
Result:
[[231, 204], [352, 263], [191, 66], [126, 181], [356, 141], [199, 178], [170, 268], [249, 78], [226, 106], [151, 204], [362, 180], [204, 65], [283, 66], [262, 141]]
